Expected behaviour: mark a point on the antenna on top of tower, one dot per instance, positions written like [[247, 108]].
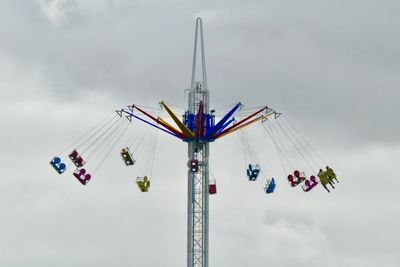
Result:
[[199, 31]]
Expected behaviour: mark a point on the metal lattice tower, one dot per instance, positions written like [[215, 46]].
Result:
[[198, 182]]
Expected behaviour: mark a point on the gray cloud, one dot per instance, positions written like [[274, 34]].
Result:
[[334, 59], [332, 68]]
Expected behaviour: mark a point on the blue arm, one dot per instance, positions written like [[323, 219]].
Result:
[[226, 125], [218, 126], [152, 124]]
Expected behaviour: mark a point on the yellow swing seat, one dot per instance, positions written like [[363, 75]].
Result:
[[143, 183]]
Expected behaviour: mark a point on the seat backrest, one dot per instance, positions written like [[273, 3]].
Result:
[[62, 166], [79, 160], [74, 154]]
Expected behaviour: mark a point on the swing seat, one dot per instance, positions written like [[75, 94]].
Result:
[[254, 167], [143, 183], [82, 176], [307, 186], [73, 155], [323, 178], [127, 157], [212, 189], [194, 165], [79, 162], [310, 184], [299, 175], [313, 180], [297, 179], [291, 180], [253, 171], [330, 174], [270, 186], [59, 166], [76, 158]]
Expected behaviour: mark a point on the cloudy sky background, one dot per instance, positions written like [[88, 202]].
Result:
[[331, 66]]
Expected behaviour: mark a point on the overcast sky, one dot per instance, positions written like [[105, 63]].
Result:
[[332, 67]]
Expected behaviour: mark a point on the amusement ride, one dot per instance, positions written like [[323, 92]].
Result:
[[199, 126]]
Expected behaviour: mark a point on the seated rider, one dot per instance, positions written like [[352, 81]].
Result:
[[297, 179], [252, 173], [313, 180], [59, 166], [127, 157], [271, 186], [324, 180], [143, 184], [310, 184], [300, 176], [291, 180], [331, 174], [76, 158], [82, 176]]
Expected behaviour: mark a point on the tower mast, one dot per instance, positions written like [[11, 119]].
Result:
[[198, 150]]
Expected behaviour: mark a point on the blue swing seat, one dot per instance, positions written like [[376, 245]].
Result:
[[253, 171], [270, 186], [59, 166]]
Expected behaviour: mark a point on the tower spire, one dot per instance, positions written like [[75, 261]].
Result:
[[199, 35]]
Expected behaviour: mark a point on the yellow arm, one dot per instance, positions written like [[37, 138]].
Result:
[[169, 126], [178, 122]]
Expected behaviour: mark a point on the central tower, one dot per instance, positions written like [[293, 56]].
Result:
[[198, 152]]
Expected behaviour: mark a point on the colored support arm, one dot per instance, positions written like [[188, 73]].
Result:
[[239, 123], [218, 126], [246, 124], [181, 126], [225, 125], [166, 125], [152, 124]]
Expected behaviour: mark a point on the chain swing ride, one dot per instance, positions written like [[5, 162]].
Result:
[[198, 128]]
